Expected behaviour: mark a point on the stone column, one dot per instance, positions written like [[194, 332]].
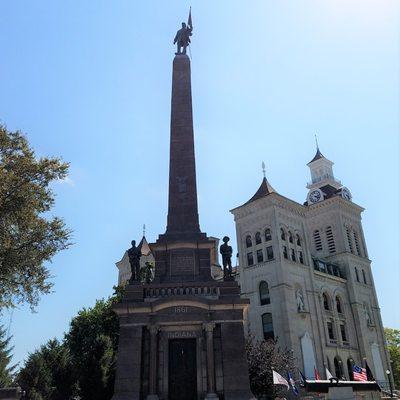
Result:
[[129, 362], [153, 363], [209, 328], [235, 372]]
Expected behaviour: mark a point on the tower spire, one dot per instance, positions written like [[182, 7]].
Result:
[[316, 142], [263, 169]]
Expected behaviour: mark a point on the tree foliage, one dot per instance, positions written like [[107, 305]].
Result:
[[146, 273], [29, 237], [393, 345], [83, 364], [6, 369], [93, 340], [48, 373], [262, 357]]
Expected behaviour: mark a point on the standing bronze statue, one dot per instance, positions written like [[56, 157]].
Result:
[[226, 252], [134, 254], [182, 37]]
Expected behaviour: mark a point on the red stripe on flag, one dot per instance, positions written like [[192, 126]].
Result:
[[360, 376]]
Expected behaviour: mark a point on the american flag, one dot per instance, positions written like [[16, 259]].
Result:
[[360, 374]]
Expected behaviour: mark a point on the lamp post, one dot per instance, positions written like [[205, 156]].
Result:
[[390, 382]]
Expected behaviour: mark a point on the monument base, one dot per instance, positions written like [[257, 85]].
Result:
[[174, 337]]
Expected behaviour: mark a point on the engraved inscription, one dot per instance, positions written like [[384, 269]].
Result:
[[181, 309], [182, 262], [183, 334]]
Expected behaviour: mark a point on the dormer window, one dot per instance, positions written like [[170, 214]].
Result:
[[258, 238], [267, 235], [290, 237], [283, 234], [298, 240]]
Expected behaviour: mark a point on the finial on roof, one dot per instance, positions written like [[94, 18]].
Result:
[[318, 154], [144, 230], [263, 168], [316, 141]]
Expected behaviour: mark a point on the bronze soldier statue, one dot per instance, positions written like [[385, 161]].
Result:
[[226, 252], [182, 38], [134, 254]]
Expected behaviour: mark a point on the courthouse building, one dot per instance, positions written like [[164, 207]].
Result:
[[306, 271]]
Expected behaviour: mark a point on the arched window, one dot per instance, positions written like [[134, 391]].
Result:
[[283, 234], [325, 299], [264, 293], [249, 242], [349, 241], [364, 276], [357, 276], [350, 365], [268, 327], [267, 235], [258, 238], [298, 240], [339, 307], [358, 249], [330, 240], [338, 367], [290, 237], [317, 240]]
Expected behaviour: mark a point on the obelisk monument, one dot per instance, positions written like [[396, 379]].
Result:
[[181, 336]]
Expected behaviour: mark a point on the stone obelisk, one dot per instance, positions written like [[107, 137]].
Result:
[[183, 217], [182, 253]]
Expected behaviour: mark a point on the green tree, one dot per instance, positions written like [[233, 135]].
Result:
[[393, 345], [262, 357], [83, 364], [48, 373], [6, 369], [146, 273], [29, 237], [93, 340]]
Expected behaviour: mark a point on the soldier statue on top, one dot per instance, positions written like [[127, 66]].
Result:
[[182, 37], [134, 254], [226, 252]]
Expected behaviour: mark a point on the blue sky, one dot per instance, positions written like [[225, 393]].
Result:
[[91, 81]]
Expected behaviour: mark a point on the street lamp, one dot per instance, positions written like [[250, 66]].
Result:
[[390, 382]]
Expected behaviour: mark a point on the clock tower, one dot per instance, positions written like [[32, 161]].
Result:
[[323, 184]]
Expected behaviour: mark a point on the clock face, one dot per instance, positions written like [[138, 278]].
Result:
[[346, 193], [315, 196]]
